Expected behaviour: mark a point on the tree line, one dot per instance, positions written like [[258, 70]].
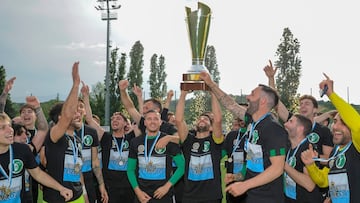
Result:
[[287, 81]]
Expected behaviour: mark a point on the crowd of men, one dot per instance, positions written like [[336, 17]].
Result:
[[152, 155]]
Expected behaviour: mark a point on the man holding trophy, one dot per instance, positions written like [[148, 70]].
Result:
[[201, 148]]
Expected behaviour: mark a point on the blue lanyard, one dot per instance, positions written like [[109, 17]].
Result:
[[82, 134], [147, 156], [313, 126], [296, 149], [253, 125], [237, 143], [121, 145], [335, 154], [3, 172], [74, 147]]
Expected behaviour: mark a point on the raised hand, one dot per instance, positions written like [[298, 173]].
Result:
[[75, 73], [33, 101], [9, 84], [123, 84], [308, 155]]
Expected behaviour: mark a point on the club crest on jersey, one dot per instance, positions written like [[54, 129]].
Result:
[[313, 138], [255, 137], [18, 165], [88, 140], [160, 151], [340, 161]]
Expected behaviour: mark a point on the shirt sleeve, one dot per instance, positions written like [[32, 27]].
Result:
[[319, 176]]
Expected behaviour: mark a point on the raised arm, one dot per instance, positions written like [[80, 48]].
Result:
[[42, 124], [138, 92], [217, 123], [324, 116], [226, 100], [126, 101], [165, 110], [281, 109], [347, 112], [3, 96], [179, 117], [69, 107], [88, 116]]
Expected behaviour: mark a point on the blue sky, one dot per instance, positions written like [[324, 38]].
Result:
[[40, 40]]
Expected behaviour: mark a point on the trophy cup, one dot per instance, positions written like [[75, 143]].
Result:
[[198, 22]]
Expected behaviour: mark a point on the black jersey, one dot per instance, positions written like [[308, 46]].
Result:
[[64, 162], [22, 158], [202, 178]]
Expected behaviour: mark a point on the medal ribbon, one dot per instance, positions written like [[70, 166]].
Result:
[[74, 147], [147, 156], [296, 149], [252, 128], [237, 143], [121, 145], [335, 154], [3, 172]]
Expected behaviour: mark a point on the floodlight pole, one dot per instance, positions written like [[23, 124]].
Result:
[[107, 75]]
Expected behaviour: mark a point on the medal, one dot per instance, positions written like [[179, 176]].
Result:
[[77, 167], [230, 160], [150, 167], [5, 192], [238, 177], [121, 162]]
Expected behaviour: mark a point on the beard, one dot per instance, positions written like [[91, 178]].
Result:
[[253, 107], [201, 129]]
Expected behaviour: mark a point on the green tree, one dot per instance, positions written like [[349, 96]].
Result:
[[120, 76], [135, 74], [157, 78], [97, 100], [9, 109], [289, 64], [202, 100], [114, 99], [197, 106]]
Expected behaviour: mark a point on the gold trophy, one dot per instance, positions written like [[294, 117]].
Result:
[[198, 22]]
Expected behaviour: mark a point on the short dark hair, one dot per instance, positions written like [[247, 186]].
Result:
[[305, 122], [55, 112], [26, 106], [271, 93], [155, 102]]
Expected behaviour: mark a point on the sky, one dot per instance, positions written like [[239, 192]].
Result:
[[40, 40]]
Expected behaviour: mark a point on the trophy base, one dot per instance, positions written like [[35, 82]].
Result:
[[194, 85]]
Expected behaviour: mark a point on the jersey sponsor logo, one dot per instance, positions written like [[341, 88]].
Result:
[[141, 149], [195, 147]]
